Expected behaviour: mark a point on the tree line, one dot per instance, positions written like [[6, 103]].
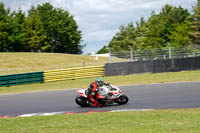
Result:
[[174, 25], [43, 29]]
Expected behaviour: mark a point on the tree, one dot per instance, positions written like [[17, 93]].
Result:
[[35, 32], [60, 29], [156, 32], [45, 29], [12, 33], [172, 17], [4, 24], [124, 38], [181, 35], [103, 50], [195, 34], [17, 34]]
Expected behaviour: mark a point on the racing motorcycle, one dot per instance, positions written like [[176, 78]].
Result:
[[113, 94]]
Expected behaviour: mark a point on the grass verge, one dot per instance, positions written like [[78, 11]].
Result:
[[184, 76], [156, 121], [21, 62]]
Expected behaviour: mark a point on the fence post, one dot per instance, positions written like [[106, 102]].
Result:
[[96, 59], [131, 52], [193, 54], [164, 56], [170, 54]]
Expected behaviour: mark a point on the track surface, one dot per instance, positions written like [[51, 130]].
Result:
[[160, 96]]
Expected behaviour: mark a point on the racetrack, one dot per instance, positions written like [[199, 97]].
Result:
[[159, 96]]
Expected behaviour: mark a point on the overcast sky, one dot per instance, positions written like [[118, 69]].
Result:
[[99, 20]]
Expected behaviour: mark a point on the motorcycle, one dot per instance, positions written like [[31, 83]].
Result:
[[113, 94]]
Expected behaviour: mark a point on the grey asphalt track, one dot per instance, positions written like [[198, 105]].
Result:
[[159, 96]]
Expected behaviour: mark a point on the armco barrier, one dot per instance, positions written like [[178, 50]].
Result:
[[23, 78], [74, 73]]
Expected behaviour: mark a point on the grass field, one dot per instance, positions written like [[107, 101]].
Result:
[[147, 78], [30, 62], [156, 121]]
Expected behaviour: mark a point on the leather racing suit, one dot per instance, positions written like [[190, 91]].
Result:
[[93, 95]]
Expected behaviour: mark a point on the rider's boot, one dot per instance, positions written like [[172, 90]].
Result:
[[94, 105]]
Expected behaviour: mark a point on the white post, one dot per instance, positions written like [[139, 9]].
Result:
[[131, 52], [170, 54], [164, 56], [193, 54], [96, 59]]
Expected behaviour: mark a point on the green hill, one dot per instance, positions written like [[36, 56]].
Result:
[[11, 63]]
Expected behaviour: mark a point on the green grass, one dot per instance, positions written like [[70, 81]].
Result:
[[157, 121], [30, 62], [147, 78]]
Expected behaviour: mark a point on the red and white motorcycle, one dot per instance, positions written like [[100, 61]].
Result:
[[113, 94]]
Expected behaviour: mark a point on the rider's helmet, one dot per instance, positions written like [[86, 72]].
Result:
[[99, 81]]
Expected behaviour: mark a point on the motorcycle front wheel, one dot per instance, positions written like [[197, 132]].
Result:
[[82, 101], [123, 99]]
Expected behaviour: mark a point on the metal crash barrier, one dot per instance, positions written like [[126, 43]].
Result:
[[74, 73], [23, 78]]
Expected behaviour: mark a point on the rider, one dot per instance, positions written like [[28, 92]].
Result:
[[92, 92]]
